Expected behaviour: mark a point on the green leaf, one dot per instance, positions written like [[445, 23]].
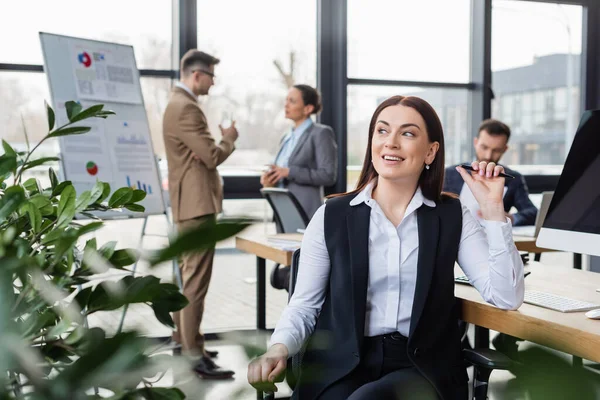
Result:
[[135, 207], [57, 191], [83, 201], [108, 249], [39, 161], [105, 192], [138, 195], [52, 236], [91, 244], [124, 257], [65, 244], [35, 322], [83, 297], [201, 238], [93, 111], [97, 191], [8, 163], [163, 315], [73, 108], [13, 197], [51, 116], [8, 150], [35, 217], [120, 197], [40, 201], [53, 178], [73, 130], [32, 185], [47, 210], [91, 227], [66, 206], [158, 393]]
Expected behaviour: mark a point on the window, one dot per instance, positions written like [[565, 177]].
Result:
[[22, 109], [249, 86], [156, 92], [136, 22], [409, 40], [544, 69], [450, 105]]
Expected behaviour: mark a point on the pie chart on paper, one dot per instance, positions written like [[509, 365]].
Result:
[[91, 168]]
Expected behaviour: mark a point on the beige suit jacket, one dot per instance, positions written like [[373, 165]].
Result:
[[193, 156]]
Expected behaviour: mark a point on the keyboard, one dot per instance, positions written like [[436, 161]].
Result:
[[557, 303], [466, 281]]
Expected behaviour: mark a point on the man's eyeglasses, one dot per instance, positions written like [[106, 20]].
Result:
[[212, 75]]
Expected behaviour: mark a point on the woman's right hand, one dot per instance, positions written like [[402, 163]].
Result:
[[265, 370]]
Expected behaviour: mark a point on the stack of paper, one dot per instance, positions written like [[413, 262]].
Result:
[[285, 241]]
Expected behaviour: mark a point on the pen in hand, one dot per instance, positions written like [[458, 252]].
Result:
[[502, 174]]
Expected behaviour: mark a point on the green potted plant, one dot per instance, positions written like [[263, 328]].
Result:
[[47, 350]]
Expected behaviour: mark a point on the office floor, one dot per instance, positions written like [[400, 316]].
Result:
[[230, 306]]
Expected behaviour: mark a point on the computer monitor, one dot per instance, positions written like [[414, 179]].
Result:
[[573, 220]]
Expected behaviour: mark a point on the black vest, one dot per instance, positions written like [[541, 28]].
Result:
[[333, 350]]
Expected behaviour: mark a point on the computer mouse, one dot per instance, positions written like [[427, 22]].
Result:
[[593, 314]]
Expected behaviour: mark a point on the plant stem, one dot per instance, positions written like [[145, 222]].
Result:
[[39, 235], [21, 297], [19, 175]]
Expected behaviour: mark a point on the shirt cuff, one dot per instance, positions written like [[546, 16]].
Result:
[[287, 341], [499, 234]]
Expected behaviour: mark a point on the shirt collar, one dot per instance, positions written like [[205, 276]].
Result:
[[365, 196], [302, 127], [186, 88]]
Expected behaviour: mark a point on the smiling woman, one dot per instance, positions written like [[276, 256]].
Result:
[[394, 242]]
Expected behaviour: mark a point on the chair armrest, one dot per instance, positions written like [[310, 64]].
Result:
[[487, 358]]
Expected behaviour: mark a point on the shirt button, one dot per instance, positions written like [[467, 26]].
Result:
[[417, 352]]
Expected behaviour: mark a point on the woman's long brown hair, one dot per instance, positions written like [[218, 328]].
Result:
[[431, 180]]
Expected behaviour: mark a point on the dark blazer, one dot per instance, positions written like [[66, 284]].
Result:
[[334, 348], [517, 194], [313, 165]]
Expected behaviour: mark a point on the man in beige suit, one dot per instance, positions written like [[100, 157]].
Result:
[[196, 194]]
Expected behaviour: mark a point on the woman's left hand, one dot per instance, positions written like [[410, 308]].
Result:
[[487, 187]]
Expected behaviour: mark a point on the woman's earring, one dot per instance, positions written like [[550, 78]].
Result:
[[426, 166]]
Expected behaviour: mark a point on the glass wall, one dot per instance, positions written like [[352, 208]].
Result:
[[145, 25], [537, 83], [391, 40], [405, 40], [23, 93], [271, 50]]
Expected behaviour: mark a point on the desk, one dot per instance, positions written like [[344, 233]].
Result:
[[527, 243], [263, 250], [571, 333]]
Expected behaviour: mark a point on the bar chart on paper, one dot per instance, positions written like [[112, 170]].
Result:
[[138, 185]]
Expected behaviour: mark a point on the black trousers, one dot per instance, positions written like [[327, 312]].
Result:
[[385, 373]]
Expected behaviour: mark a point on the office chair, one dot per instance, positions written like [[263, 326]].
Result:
[[484, 361], [288, 214]]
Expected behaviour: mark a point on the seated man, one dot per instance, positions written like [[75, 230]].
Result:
[[490, 144]]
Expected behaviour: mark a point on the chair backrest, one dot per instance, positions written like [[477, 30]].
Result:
[[288, 213], [293, 365]]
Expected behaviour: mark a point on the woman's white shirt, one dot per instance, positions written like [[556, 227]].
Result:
[[487, 255]]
